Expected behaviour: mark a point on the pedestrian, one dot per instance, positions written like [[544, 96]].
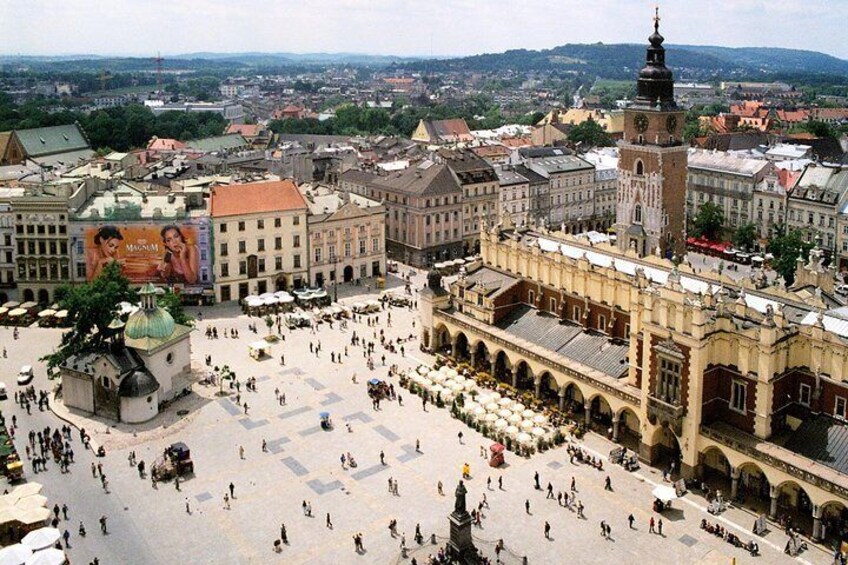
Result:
[[283, 535], [304, 507], [177, 482], [103, 529], [500, 482], [232, 488], [651, 529], [65, 511], [607, 483], [66, 536], [573, 484], [241, 452], [547, 530], [489, 483], [536, 480], [440, 489], [188, 508], [418, 445], [264, 446], [226, 501], [245, 408], [603, 529], [630, 520], [459, 435], [382, 457], [659, 527], [609, 532], [527, 506], [329, 522], [559, 498], [93, 470], [550, 491]]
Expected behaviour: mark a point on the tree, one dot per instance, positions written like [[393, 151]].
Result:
[[92, 307], [591, 133], [786, 249], [269, 321], [708, 222], [746, 236], [172, 303]]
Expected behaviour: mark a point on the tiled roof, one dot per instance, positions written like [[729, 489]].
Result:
[[165, 144], [357, 176], [38, 142], [256, 197], [426, 178], [491, 282], [218, 143], [724, 162], [823, 440], [247, 130], [568, 339]]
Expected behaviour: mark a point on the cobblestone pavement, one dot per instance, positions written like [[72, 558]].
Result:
[[301, 463]]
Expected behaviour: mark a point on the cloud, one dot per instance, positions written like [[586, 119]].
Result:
[[406, 27]]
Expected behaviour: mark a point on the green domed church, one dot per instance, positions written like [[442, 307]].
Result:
[[148, 362]]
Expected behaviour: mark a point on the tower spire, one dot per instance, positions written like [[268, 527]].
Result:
[[657, 18]]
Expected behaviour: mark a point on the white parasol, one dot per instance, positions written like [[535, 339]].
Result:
[[484, 399], [540, 419], [505, 402], [32, 501], [32, 516], [50, 556], [515, 418], [41, 538], [501, 423], [504, 413], [479, 411], [46, 313], [512, 431], [452, 373], [25, 489], [17, 312], [495, 396], [518, 407], [469, 385], [664, 493], [491, 407], [62, 314], [524, 438], [456, 387], [14, 554], [528, 414], [538, 432], [423, 370], [527, 425]]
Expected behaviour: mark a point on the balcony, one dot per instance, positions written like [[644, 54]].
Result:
[[660, 411]]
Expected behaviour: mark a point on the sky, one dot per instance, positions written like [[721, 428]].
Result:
[[407, 27]]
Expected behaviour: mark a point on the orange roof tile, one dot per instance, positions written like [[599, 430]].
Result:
[[165, 144], [247, 130], [255, 198]]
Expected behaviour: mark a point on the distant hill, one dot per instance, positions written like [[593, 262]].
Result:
[[623, 60]]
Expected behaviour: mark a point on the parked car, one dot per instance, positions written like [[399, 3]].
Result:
[[25, 375]]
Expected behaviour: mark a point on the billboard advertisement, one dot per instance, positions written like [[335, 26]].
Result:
[[169, 254]]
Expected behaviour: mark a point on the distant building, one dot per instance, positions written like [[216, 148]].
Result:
[[233, 112], [816, 201], [53, 147], [442, 132]]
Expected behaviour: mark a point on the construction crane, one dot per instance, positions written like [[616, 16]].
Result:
[[104, 78], [158, 59]]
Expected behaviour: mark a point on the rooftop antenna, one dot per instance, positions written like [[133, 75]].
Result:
[[158, 59]]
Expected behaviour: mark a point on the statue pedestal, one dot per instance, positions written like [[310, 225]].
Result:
[[461, 546]]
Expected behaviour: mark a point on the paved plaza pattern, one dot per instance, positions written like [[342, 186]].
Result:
[[301, 463]]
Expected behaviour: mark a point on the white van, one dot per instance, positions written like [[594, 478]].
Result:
[[25, 375]]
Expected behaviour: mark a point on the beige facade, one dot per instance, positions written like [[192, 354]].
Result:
[[259, 239], [346, 236], [571, 192], [815, 202], [719, 382]]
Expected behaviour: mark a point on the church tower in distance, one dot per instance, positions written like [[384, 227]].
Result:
[[652, 163]]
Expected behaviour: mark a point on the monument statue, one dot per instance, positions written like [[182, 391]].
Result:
[[459, 504]]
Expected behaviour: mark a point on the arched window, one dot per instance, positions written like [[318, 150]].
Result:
[[640, 167], [637, 214]]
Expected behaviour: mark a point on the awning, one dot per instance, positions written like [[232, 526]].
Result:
[[664, 493]]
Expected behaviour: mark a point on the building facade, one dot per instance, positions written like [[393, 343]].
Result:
[[260, 239], [347, 236], [7, 243], [814, 204]]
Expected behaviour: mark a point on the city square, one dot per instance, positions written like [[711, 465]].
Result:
[[302, 464]]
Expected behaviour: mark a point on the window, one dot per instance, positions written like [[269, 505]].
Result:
[[640, 167], [626, 331], [261, 266], [804, 394], [295, 241], [317, 254], [347, 249], [363, 271], [362, 247], [552, 304], [81, 270], [224, 250], [375, 245], [260, 245], [242, 246], [839, 407], [260, 224], [668, 387], [106, 382], [296, 221], [278, 263], [296, 261], [602, 323], [278, 222], [241, 226], [242, 267], [576, 314], [531, 297], [637, 214], [169, 359], [278, 243], [738, 396]]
